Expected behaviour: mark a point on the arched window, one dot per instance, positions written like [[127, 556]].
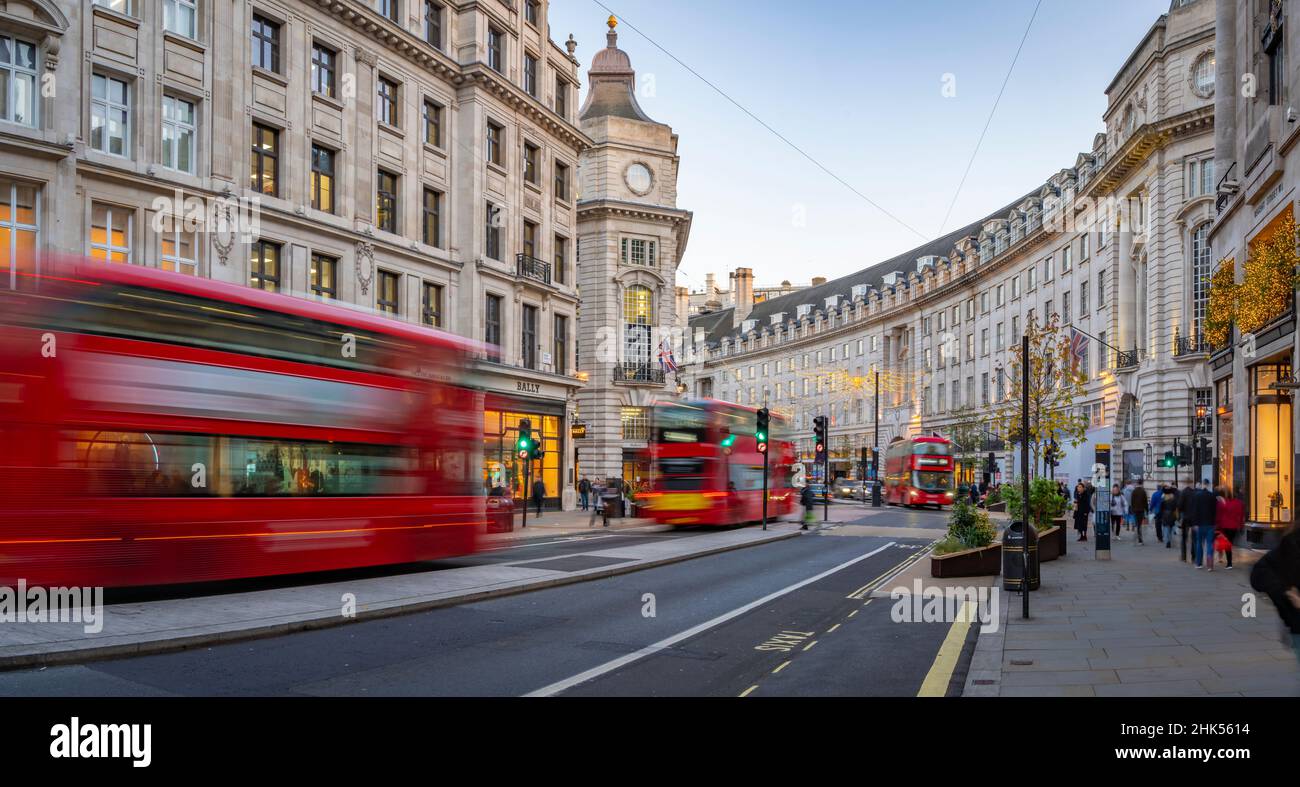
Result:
[[1200, 277], [638, 314]]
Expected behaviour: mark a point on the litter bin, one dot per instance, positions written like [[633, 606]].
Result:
[[613, 505], [1013, 557], [500, 515]]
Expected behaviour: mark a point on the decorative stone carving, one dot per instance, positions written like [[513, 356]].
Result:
[[365, 265]]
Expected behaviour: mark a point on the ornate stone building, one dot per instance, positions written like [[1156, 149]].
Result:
[[1115, 244], [1257, 109], [631, 238], [416, 157]]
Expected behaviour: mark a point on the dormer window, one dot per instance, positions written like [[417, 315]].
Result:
[[859, 291], [803, 310]]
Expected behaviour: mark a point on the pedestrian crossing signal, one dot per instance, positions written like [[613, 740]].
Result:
[[761, 429]]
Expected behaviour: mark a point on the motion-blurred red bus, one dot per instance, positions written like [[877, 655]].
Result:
[[707, 469], [159, 428], [918, 472]]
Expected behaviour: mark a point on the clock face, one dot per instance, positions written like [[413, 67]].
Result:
[[638, 178]]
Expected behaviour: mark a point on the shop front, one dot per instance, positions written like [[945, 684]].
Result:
[[503, 471], [1270, 502]]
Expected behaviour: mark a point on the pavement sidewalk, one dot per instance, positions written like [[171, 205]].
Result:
[[1142, 624], [563, 523], [134, 628]]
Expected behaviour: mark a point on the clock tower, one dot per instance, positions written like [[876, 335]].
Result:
[[631, 236]]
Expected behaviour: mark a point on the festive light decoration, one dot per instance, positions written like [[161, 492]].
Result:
[[1270, 279], [1222, 307]]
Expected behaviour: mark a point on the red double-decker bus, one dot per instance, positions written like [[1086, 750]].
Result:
[[707, 469], [158, 428], [918, 472]]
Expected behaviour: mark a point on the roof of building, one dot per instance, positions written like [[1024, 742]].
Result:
[[872, 277], [612, 83]]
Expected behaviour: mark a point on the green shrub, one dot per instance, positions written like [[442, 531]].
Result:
[[993, 497], [1045, 502], [948, 546], [969, 526]]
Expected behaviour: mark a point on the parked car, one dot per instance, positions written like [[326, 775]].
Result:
[[848, 488]]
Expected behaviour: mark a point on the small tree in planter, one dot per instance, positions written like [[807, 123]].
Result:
[[968, 528], [1045, 502]]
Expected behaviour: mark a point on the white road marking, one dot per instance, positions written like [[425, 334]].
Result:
[[664, 644]]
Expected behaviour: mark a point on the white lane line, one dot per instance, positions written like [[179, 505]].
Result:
[[664, 644]]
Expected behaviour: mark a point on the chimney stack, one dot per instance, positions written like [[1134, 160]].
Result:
[[818, 281], [683, 305], [742, 290]]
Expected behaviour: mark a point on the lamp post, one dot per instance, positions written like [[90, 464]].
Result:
[[875, 446]]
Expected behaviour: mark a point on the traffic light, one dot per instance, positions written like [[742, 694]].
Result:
[[761, 430], [819, 433], [1168, 460], [728, 439], [1053, 454], [537, 449], [524, 446]]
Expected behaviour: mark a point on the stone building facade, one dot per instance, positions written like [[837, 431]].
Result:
[[1257, 109], [632, 236], [416, 157], [938, 322]]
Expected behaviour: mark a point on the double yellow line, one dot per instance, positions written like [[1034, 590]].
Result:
[[890, 573]]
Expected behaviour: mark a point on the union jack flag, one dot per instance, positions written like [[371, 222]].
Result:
[[1078, 348], [666, 360]]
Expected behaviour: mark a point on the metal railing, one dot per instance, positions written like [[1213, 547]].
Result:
[[533, 268], [638, 373], [1189, 345], [1126, 359]]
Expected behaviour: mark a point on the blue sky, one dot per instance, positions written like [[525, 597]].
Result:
[[859, 86]]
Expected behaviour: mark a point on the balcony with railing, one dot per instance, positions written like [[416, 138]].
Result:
[[639, 373], [532, 268], [1127, 359], [1188, 346]]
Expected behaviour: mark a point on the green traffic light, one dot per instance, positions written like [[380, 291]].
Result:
[[761, 437], [729, 441]]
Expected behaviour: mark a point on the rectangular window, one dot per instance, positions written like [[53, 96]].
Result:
[[636, 423], [387, 107], [431, 305], [984, 388], [433, 123], [561, 264], [1015, 287], [18, 231], [266, 160], [496, 56], [388, 293], [324, 276], [1065, 308], [1084, 246], [1101, 289], [494, 134], [433, 12], [391, 9], [1083, 299], [120, 6], [636, 251], [1002, 295], [181, 17], [530, 239], [110, 232], [492, 320], [984, 341], [561, 98], [322, 178], [264, 265], [386, 205], [178, 134], [1047, 269], [530, 75], [110, 115], [266, 44], [528, 337], [1015, 329], [492, 232], [530, 12], [561, 351], [323, 63], [530, 162], [177, 248], [1032, 278], [561, 181], [1065, 259], [432, 213], [17, 81]]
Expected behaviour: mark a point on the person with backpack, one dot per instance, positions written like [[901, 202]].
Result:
[[1277, 574], [809, 501], [1155, 512], [1169, 506], [584, 492]]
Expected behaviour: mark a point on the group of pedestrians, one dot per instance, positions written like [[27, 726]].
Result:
[[1210, 519]]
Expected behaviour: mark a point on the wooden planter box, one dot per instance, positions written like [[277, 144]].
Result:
[[983, 562], [1061, 523], [1049, 544], [998, 506]]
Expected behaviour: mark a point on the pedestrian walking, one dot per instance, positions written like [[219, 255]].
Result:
[[1170, 506], [1278, 575], [584, 492], [1137, 508], [1082, 509], [539, 494], [1156, 499], [1185, 518], [1128, 505], [1203, 508], [1118, 511], [1230, 518], [808, 500]]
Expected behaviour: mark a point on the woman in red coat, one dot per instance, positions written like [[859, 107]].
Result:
[[1230, 517]]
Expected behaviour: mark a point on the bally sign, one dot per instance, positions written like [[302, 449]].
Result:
[[523, 387], [578, 431]]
